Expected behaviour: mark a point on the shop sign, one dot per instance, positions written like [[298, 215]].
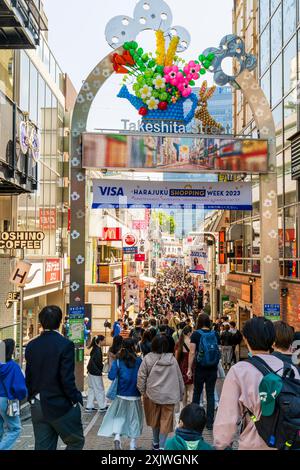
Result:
[[112, 234], [48, 219], [52, 271], [129, 240], [20, 274], [222, 248], [77, 312], [139, 225], [139, 257], [21, 240], [167, 194], [12, 297], [130, 249], [39, 270], [199, 260], [272, 312], [239, 291]]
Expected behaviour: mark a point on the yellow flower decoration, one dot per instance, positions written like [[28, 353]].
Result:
[[161, 52], [172, 51]]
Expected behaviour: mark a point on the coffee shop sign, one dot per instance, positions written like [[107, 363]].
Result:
[[21, 240]]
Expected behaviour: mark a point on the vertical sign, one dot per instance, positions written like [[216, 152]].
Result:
[[222, 248]]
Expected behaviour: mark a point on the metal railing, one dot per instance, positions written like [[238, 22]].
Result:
[[10, 331]]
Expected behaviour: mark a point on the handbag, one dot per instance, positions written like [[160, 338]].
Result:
[[113, 389], [13, 406]]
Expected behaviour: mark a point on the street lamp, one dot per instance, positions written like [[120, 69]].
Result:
[[212, 241]]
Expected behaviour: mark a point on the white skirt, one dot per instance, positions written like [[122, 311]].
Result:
[[124, 417]]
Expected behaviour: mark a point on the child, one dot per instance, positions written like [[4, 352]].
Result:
[[188, 436]]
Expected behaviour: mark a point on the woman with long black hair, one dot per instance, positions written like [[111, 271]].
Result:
[[182, 350], [125, 414], [95, 380]]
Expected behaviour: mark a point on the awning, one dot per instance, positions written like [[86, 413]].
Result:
[[148, 280]]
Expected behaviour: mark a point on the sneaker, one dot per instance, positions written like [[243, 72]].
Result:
[[117, 445], [103, 410], [155, 446], [90, 410]]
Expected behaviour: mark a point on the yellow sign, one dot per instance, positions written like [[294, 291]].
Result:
[[21, 240]]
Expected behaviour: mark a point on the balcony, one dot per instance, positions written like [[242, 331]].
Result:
[[21, 23]]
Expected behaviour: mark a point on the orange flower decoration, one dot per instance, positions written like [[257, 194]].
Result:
[[120, 62]]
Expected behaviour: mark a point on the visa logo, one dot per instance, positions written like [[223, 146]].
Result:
[[111, 191]]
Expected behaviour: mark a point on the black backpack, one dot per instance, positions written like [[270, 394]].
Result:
[[281, 430], [237, 338]]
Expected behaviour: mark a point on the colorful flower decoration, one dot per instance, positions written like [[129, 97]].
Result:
[[159, 82]]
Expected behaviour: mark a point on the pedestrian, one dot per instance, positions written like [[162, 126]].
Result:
[[145, 343], [240, 398], [163, 331], [87, 331], [125, 332], [137, 332], [283, 342], [161, 384], [66, 327], [182, 351], [117, 327], [188, 435], [237, 338], [52, 393], [226, 346], [96, 389], [125, 415], [12, 391], [114, 349], [204, 355]]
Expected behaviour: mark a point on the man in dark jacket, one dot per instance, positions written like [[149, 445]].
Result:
[[50, 379]]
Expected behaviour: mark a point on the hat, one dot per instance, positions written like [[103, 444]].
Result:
[[269, 389]]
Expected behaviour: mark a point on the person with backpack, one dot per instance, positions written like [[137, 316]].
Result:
[[161, 384], [260, 397], [95, 380], [12, 391], [137, 332], [237, 338], [204, 356], [116, 331]]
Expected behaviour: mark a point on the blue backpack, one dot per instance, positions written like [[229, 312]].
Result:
[[209, 353]]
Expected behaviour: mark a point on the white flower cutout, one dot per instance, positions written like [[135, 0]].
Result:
[[76, 133], [268, 203], [106, 73], [96, 71], [75, 161], [75, 235], [74, 286], [267, 215], [79, 259], [273, 234], [80, 214], [265, 130], [268, 259], [272, 194], [253, 99], [78, 150], [75, 196], [259, 112], [90, 96], [80, 99], [263, 102], [86, 86], [80, 177], [274, 285]]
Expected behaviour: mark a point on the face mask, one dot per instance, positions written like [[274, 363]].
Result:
[[250, 354]]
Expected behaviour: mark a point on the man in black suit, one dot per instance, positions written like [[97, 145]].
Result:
[[52, 392]]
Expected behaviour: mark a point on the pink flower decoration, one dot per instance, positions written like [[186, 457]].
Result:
[[185, 89], [192, 71], [173, 76]]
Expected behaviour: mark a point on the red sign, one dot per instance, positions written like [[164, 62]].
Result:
[[47, 219], [130, 240], [222, 248], [139, 257], [139, 224], [52, 271], [69, 219], [112, 234]]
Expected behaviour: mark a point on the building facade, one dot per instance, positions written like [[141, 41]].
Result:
[[35, 91], [271, 31]]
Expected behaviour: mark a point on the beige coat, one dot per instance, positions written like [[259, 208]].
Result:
[[160, 379], [241, 391]]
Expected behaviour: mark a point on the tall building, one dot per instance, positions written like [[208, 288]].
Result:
[[271, 31], [35, 95]]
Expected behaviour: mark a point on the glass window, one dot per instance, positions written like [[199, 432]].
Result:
[[276, 34], [290, 116], [280, 176], [290, 242], [290, 66], [278, 119], [33, 111], [289, 18], [274, 5], [264, 12], [7, 73], [265, 84], [52, 67], [264, 50], [276, 75], [41, 102], [24, 82], [46, 56], [290, 188]]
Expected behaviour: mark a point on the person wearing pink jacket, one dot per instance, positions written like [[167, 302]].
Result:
[[241, 391]]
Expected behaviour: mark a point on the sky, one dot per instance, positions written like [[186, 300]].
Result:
[[77, 39]]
